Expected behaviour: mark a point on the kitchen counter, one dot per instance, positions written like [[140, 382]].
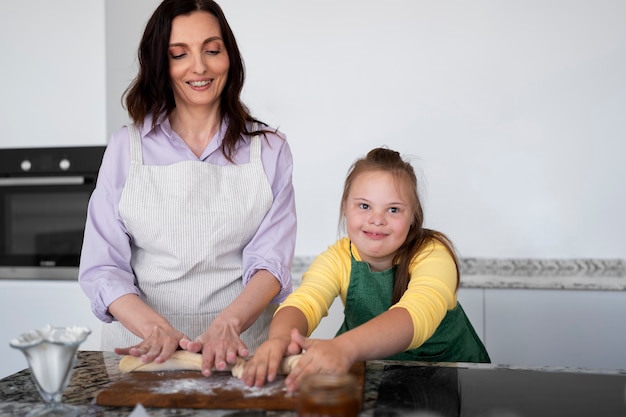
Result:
[[567, 274], [391, 389]]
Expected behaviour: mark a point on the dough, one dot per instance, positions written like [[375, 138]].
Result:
[[288, 363], [183, 360], [285, 367]]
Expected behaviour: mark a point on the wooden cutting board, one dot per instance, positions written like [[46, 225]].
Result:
[[190, 389]]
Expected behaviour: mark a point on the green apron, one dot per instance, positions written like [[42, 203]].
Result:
[[370, 294]]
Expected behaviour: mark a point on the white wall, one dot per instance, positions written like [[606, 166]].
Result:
[[513, 111], [52, 74]]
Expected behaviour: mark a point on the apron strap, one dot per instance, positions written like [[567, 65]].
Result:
[[136, 156], [255, 145]]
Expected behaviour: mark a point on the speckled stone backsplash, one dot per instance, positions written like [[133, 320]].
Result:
[[584, 273]]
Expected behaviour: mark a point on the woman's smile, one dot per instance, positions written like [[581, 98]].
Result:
[[199, 84]]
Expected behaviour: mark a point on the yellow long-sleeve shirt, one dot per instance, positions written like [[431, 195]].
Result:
[[430, 294]]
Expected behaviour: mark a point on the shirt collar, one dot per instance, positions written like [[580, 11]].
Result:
[[163, 123]]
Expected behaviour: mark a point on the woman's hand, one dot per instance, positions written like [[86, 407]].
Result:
[[321, 356], [220, 346], [160, 339], [265, 362], [157, 347]]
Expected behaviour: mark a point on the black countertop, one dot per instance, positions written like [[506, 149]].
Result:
[[391, 389]]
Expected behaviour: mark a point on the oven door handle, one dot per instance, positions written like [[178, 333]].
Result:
[[33, 181]]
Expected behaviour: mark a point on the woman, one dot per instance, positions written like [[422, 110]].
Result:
[[191, 228]]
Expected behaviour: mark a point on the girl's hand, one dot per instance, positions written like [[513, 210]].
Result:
[[321, 356], [157, 347], [265, 362], [220, 346]]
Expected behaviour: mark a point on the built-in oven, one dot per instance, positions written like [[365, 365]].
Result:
[[44, 193]]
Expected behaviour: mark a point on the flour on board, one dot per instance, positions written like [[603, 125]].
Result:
[[208, 386]]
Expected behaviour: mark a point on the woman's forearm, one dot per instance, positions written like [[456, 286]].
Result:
[[254, 298], [137, 316]]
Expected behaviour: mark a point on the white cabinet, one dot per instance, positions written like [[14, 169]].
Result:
[[28, 305], [570, 328], [473, 302], [327, 329]]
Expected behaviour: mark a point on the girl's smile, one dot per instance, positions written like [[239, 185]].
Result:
[[375, 236]]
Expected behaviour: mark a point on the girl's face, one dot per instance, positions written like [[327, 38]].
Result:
[[198, 60], [378, 217]]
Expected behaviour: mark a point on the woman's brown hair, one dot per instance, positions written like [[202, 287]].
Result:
[[387, 160], [151, 91]]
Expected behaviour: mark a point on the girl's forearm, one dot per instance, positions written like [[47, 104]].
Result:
[[287, 319], [384, 335]]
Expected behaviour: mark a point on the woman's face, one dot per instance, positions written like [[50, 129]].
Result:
[[378, 217], [198, 60]]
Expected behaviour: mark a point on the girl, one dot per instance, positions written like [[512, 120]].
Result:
[[397, 280]]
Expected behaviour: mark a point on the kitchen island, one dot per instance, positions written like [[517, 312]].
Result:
[[391, 389]]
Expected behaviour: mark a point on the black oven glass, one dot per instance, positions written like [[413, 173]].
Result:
[[44, 226]]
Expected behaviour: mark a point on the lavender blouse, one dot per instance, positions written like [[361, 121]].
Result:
[[105, 273]]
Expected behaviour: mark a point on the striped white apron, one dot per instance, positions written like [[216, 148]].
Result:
[[189, 223]]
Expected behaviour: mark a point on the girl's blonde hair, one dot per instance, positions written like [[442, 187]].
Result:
[[387, 160]]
